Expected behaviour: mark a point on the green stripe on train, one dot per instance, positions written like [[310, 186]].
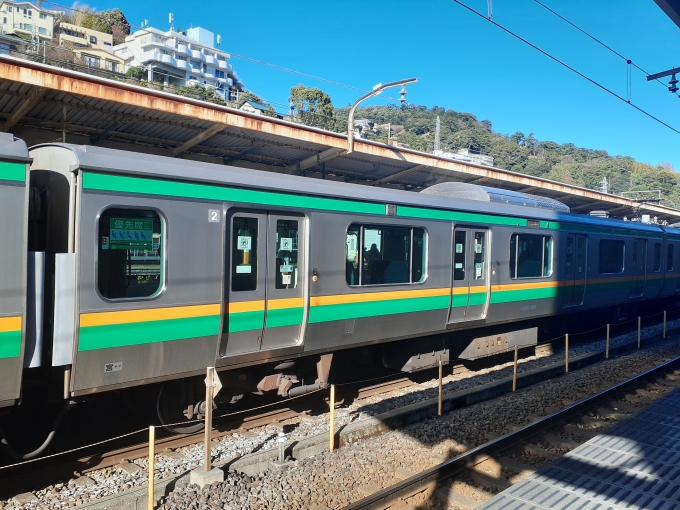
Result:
[[245, 321], [10, 344], [507, 296], [139, 333], [117, 183], [284, 317], [12, 171], [327, 313], [458, 216]]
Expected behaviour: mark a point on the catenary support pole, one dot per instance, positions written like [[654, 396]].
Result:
[[566, 353], [514, 371], [439, 404], [331, 436], [152, 465], [606, 349]]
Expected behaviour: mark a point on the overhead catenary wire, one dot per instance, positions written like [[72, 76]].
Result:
[[629, 62], [564, 64]]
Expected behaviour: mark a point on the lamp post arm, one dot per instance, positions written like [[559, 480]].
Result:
[[372, 93]]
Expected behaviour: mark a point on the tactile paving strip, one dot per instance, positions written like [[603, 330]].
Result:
[[634, 465]]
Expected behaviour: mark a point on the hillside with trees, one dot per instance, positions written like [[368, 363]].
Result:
[[518, 152]]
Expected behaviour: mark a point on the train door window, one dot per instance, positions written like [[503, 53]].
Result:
[[479, 252], [352, 255], [530, 256], [459, 255], [657, 257], [570, 257], [669, 258], [244, 254], [611, 256], [286, 253], [130, 254], [418, 258]]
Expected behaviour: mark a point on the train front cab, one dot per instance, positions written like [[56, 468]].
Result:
[[13, 253]]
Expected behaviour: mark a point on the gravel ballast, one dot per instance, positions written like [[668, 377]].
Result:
[[421, 448]]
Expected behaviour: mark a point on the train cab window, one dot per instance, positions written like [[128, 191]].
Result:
[[378, 255], [287, 254], [611, 256], [657, 257], [530, 256], [130, 254], [669, 258], [244, 253]]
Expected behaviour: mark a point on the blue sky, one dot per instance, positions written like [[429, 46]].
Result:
[[462, 61]]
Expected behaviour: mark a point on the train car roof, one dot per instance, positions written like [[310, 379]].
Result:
[[99, 159], [13, 148]]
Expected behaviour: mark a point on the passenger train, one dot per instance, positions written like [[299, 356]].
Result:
[[120, 269]]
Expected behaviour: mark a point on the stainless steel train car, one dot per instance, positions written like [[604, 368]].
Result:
[[134, 269]]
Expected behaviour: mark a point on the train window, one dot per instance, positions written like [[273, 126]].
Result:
[[530, 256], [611, 256], [130, 254], [377, 255], [669, 258], [286, 254], [657, 257], [459, 255], [244, 253]]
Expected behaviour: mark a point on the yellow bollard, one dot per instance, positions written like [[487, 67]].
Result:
[[331, 437], [606, 351], [639, 327], [152, 465], [566, 353], [514, 373], [664, 323], [440, 389]]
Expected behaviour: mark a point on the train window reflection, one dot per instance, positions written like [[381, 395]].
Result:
[[530, 256], [286, 254], [611, 256], [657, 257], [130, 252], [669, 258], [377, 255]]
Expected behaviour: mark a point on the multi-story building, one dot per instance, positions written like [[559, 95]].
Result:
[[26, 19], [177, 59], [95, 48]]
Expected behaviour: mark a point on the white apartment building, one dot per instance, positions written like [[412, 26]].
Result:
[[27, 19], [179, 60]]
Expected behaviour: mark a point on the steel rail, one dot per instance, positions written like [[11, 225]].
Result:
[[450, 468]]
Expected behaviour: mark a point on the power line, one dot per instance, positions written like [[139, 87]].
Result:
[[597, 84], [598, 41]]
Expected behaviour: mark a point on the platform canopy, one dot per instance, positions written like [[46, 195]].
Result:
[[671, 8], [42, 103]]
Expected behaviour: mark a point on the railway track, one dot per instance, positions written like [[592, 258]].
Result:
[[102, 458], [471, 478]]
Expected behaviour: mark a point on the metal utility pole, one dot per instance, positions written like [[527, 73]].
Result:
[[672, 83], [376, 90], [436, 134]]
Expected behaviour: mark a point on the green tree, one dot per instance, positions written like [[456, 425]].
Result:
[[201, 93], [313, 106], [135, 73]]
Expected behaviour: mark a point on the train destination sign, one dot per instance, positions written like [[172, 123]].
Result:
[[131, 234]]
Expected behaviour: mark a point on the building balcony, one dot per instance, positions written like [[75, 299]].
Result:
[[168, 59], [222, 64], [182, 49], [182, 64], [210, 60], [197, 54], [149, 56]]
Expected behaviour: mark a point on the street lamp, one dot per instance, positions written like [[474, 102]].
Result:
[[376, 90]]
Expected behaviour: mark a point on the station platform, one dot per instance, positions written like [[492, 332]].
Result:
[[634, 465]]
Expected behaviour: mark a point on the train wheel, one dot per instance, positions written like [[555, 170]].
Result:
[[174, 398]]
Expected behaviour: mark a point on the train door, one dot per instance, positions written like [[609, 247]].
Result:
[[470, 286], [575, 270], [266, 281], [639, 266]]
